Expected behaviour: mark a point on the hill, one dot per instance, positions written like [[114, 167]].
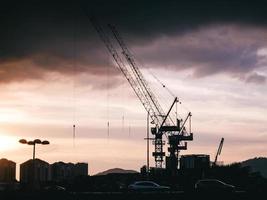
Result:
[[116, 171], [257, 165]]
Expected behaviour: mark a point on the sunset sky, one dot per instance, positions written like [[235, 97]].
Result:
[[56, 72]]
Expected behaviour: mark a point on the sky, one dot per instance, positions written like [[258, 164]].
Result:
[[56, 72]]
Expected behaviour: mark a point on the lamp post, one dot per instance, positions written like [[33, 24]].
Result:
[[147, 144], [33, 143]]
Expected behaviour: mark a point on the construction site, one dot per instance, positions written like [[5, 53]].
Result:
[[164, 128]]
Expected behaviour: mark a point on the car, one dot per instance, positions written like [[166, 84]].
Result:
[[147, 186], [213, 185]]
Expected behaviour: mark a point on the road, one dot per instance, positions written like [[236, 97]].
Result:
[[173, 195]]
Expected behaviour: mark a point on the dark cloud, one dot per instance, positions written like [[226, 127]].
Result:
[[158, 17], [43, 36], [256, 78], [229, 49]]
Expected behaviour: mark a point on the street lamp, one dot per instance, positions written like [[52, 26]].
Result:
[[34, 142]]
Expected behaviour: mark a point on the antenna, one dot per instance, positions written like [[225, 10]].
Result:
[[74, 135], [122, 124]]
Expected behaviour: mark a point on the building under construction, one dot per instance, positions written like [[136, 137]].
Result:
[[195, 161]]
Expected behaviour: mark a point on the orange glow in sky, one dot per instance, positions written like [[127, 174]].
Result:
[[7, 143]]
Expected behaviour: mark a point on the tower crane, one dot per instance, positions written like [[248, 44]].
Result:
[[218, 152], [163, 124]]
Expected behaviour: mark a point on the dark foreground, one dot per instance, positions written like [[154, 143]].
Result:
[[179, 195]]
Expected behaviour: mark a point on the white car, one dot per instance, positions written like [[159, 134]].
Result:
[[147, 186]]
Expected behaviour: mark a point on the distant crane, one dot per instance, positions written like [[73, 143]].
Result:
[[218, 152], [176, 133]]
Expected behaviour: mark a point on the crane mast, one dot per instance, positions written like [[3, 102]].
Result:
[[175, 133]]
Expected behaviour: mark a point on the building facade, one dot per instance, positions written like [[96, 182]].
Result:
[[195, 161], [81, 169], [62, 171], [41, 171], [7, 170], [35, 171], [65, 171]]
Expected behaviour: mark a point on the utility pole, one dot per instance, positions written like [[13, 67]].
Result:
[[147, 143]]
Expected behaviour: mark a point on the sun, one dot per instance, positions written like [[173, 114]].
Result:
[[7, 143]]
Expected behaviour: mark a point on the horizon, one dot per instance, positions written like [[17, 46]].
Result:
[[117, 168]]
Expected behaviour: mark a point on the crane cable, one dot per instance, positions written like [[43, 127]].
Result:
[[74, 37], [168, 90], [107, 97], [163, 85], [172, 94]]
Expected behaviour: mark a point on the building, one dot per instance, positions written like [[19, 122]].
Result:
[[61, 171], [195, 161], [81, 169], [35, 171], [7, 170], [65, 171], [143, 170]]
